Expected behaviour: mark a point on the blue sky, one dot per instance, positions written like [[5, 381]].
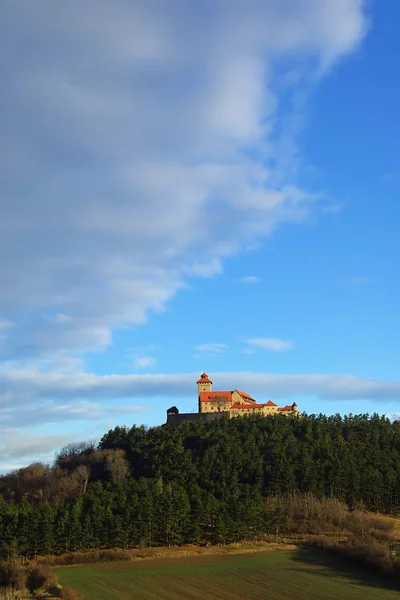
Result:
[[185, 190]]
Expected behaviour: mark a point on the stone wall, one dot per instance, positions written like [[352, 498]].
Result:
[[179, 418]]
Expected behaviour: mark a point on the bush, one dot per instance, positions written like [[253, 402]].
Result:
[[40, 576], [81, 558], [12, 575], [67, 593], [364, 550], [9, 594], [85, 558], [110, 555]]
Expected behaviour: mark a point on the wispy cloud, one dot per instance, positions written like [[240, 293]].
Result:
[[209, 269], [144, 362], [393, 416], [35, 388], [17, 447], [48, 397], [88, 230], [390, 177], [211, 348], [357, 281], [5, 397], [250, 279], [95, 178], [248, 351], [273, 344]]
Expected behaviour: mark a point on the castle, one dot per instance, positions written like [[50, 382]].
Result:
[[226, 404]]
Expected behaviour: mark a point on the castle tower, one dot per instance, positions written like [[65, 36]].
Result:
[[295, 408], [203, 385]]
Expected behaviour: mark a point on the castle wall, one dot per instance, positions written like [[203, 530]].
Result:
[[180, 418], [241, 412], [215, 406], [270, 410], [237, 398], [265, 410]]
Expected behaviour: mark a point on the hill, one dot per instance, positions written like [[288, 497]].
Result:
[[212, 482]]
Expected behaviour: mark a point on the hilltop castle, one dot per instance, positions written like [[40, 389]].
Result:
[[226, 404]]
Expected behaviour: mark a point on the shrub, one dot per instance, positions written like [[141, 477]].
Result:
[[110, 555], [9, 594], [85, 558], [67, 593], [81, 558], [40, 576], [381, 524], [12, 575], [365, 551]]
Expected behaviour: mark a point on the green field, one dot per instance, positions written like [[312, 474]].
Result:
[[300, 575]]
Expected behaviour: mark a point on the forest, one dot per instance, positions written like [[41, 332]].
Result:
[[197, 483]]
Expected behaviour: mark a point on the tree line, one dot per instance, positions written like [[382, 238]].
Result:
[[199, 482]]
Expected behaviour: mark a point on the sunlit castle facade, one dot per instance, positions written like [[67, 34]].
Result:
[[226, 404], [235, 402]]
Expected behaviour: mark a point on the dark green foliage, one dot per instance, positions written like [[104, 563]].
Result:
[[200, 482]]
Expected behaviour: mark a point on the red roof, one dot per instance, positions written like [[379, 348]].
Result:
[[270, 403], [287, 407], [204, 379], [248, 406], [244, 395], [215, 396]]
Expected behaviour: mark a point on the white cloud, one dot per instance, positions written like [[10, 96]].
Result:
[[248, 351], [147, 136], [390, 177], [393, 416], [129, 121], [44, 411], [5, 397], [74, 396], [250, 279], [211, 348], [17, 448], [144, 362], [36, 389], [209, 269], [273, 344], [357, 281]]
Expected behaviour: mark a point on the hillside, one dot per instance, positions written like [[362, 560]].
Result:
[[201, 482]]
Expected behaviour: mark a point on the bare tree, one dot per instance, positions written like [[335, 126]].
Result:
[[117, 465], [81, 476], [74, 450]]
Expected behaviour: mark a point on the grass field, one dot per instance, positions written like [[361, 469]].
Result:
[[298, 575]]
